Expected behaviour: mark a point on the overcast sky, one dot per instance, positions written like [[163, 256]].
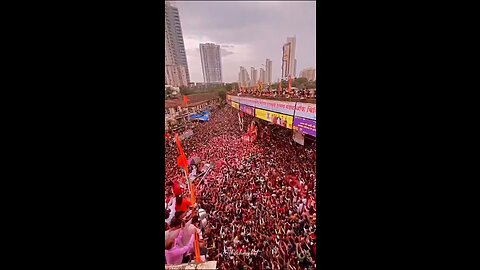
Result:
[[248, 32]]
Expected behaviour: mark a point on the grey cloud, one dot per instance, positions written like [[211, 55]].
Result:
[[263, 25], [225, 52]]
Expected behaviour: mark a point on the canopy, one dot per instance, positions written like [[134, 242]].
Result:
[[200, 117]]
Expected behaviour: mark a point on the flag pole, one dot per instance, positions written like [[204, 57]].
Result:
[[192, 196]]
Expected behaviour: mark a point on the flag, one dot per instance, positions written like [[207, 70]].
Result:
[[289, 84], [182, 159], [280, 86], [185, 100]]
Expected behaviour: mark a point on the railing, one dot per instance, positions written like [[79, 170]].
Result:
[[280, 98]]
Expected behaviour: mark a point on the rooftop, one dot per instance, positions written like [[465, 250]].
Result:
[[194, 100]]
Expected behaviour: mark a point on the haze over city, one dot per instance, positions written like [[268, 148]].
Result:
[[248, 33]]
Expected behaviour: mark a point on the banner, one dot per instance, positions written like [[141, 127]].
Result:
[[275, 118], [235, 105], [247, 109], [306, 126], [283, 107], [298, 137], [306, 110]]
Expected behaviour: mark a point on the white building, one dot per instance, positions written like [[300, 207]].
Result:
[[268, 71], [262, 76], [288, 58], [174, 45], [254, 76], [243, 78], [308, 73], [211, 63], [175, 75]]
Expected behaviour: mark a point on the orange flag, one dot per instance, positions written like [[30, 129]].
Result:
[[185, 100], [182, 159]]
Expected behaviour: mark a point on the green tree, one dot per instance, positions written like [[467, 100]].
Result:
[[300, 83], [222, 93], [185, 90]]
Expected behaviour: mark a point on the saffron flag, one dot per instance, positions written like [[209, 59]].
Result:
[[182, 159], [185, 100]]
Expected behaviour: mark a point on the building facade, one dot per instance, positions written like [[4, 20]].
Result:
[[262, 76], [175, 75], [253, 76], [211, 63], [288, 58], [268, 71], [175, 54], [308, 73], [243, 78]]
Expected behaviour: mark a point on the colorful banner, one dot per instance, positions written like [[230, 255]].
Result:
[[298, 109], [306, 110], [283, 107], [235, 105], [247, 109], [306, 126], [275, 118]]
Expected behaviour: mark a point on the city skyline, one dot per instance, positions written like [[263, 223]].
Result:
[[248, 33]]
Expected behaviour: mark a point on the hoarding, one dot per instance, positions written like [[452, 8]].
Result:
[[275, 118], [235, 105], [247, 109], [306, 110], [306, 126]]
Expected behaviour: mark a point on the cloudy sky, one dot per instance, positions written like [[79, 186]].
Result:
[[248, 32]]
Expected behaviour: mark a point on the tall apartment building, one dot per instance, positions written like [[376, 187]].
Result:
[[268, 71], [262, 76], [243, 78], [254, 76], [295, 68], [288, 58], [175, 75], [211, 63], [308, 73], [175, 54]]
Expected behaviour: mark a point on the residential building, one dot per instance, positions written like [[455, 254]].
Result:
[[254, 76], [211, 63], [174, 46], [268, 71], [308, 73], [243, 78], [288, 58], [262, 75]]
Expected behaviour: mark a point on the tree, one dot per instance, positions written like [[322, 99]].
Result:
[[185, 90], [300, 82], [222, 93]]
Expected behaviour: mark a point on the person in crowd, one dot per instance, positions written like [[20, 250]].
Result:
[[259, 198]]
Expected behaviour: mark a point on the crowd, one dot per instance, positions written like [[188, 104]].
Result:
[[259, 198], [275, 93]]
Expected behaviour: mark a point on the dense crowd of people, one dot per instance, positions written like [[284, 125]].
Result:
[[259, 198], [275, 93]]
